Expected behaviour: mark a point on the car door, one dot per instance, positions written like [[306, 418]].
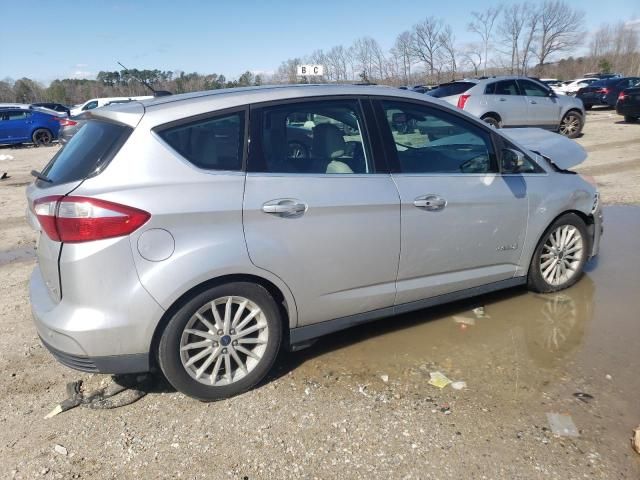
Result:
[[18, 125], [543, 107], [504, 98], [319, 210], [462, 224]]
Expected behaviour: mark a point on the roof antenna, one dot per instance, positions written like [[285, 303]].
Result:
[[156, 93]]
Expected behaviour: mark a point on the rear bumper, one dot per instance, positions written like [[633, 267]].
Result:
[[628, 110], [133, 363], [93, 339]]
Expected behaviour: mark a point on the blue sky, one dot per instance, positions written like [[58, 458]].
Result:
[[46, 40]]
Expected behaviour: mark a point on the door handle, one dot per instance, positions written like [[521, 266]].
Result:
[[503, 99], [430, 202], [533, 102], [285, 207]]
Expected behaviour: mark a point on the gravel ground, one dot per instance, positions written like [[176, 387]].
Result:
[[357, 404]]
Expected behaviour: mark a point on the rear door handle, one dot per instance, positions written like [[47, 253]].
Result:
[[503, 99], [285, 207], [533, 102], [430, 202]]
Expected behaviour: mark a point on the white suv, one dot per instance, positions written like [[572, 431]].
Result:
[[515, 102]]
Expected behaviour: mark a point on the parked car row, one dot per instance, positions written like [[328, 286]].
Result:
[[605, 92]]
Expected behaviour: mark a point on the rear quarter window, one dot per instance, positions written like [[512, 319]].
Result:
[[214, 143], [87, 153]]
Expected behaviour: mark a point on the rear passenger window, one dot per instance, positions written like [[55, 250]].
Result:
[[212, 144], [315, 137], [505, 87]]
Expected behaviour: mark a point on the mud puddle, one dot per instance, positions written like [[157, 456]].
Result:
[[523, 349]]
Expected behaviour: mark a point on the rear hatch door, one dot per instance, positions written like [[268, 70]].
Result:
[[87, 154]]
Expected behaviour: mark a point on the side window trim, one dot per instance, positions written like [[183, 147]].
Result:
[[256, 162], [244, 109], [391, 152]]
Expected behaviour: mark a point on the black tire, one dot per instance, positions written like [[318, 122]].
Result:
[[492, 120], [42, 136], [571, 124], [535, 279], [630, 119], [169, 354], [588, 107]]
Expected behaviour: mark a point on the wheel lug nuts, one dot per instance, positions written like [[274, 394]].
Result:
[[235, 342], [224, 350], [220, 332], [232, 332], [215, 344]]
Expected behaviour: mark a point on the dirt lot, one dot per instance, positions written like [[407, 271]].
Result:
[[357, 404]]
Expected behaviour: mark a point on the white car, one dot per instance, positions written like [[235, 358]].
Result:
[[101, 102], [571, 87]]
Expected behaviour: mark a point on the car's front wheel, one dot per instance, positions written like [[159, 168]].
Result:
[[559, 258], [630, 119], [222, 342], [571, 124]]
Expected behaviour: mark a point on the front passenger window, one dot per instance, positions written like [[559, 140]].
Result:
[[428, 140]]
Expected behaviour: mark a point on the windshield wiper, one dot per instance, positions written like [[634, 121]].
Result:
[[40, 176]]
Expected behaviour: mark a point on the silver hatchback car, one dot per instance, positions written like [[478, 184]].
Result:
[[512, 101], [200, 233]]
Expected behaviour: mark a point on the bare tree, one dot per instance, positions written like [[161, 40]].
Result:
[[560, 29], [337, 62], [531, 30], [426, 42], [514, 18], [403, 51], [472, 56], [447, 42], [482, 24], [365, 55]]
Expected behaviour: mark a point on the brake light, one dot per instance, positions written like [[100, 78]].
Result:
[[462, 100], [603, 91], [621, 95], [65, 122], [84, 219]]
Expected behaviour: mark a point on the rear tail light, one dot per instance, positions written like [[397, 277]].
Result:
[[621, 95], [462, 100], [65, 122], [603, 91], [84, 219]]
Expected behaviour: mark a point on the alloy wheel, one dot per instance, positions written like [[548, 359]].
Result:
[[224, 341], [569, 125], [561, 255]]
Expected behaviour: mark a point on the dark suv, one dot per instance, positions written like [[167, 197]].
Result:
[[605, 92]]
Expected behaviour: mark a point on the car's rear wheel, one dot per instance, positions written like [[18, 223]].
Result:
[[630, 119], [559, 258], [42, 136], [588, 107], [571, 124], [222, 342], [492, 120]]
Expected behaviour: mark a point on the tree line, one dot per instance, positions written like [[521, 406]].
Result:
[[526, 38]]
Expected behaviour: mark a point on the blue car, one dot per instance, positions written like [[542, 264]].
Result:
[[21, 125]]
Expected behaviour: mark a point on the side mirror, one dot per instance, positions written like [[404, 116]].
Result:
[[552, 94], [512, 160]]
